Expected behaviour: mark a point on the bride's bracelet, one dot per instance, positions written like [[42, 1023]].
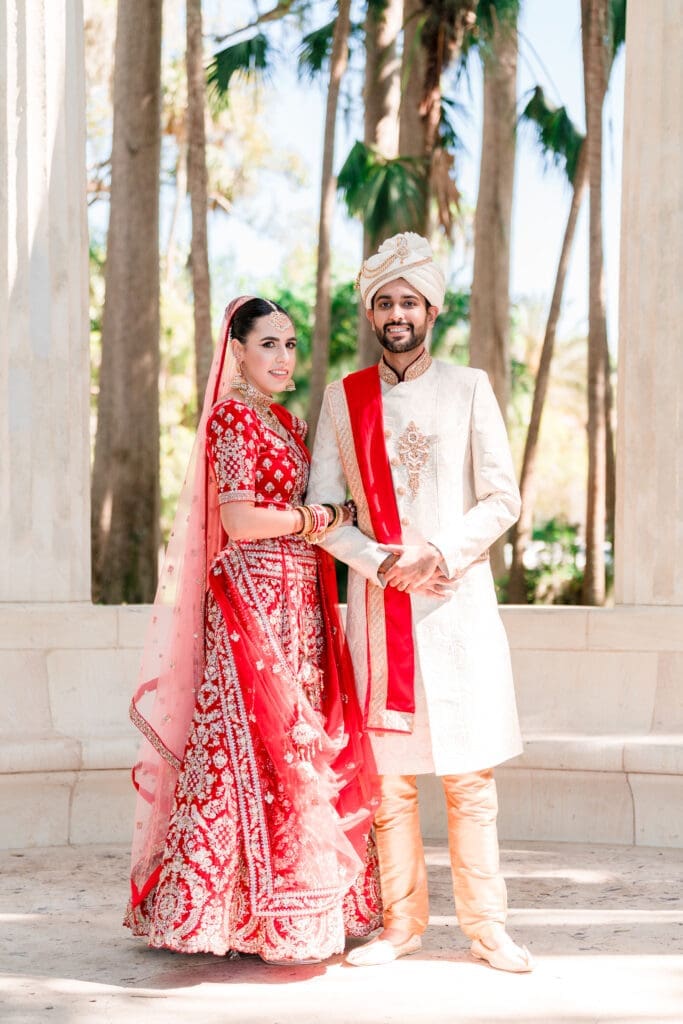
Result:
[[318, 520]]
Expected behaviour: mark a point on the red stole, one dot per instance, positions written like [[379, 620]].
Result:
[[364, 404]]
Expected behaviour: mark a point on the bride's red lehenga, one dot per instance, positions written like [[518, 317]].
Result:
[[268, 847]]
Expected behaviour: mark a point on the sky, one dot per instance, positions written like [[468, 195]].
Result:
[[550, 54]]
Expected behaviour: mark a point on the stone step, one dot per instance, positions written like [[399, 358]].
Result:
[[565, 787]]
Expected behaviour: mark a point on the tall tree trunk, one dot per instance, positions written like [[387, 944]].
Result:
[[178, 205], [521, 532], [413, 71], [125, 492], [596, 65], [490, 299], [321, 330], [197, 179], [382, 97]]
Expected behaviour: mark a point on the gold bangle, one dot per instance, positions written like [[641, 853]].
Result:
[[307, 517], [337, 516], [300, 529]]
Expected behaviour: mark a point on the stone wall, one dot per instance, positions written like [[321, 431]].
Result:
[[598, 690]]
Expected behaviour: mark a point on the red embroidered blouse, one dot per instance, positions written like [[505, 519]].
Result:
[[253, 461]]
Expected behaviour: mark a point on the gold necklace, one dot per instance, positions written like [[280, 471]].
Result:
[[260, 403]]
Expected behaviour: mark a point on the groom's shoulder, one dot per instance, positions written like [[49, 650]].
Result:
[[458, 374]]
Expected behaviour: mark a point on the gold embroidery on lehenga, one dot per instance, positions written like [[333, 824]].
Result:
[[413, 453]]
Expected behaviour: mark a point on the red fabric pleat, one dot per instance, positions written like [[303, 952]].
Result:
[[364, 402]]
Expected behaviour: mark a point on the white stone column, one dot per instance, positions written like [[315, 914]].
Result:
[[649, 521], [44, 391]]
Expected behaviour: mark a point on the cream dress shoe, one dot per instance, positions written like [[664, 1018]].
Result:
[[383, 951], [500, 951]]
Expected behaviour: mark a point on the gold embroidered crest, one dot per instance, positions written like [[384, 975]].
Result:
[[413, 452]]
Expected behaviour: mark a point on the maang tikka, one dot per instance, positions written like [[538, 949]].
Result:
[[280, 321]]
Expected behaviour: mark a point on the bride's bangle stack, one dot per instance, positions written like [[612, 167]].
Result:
[[319, 520]]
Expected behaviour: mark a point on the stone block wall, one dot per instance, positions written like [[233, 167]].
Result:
[[600, 694]]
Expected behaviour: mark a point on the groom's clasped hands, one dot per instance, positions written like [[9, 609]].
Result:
[[415, 568]]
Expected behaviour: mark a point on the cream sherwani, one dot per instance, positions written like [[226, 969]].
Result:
[[455, 487]]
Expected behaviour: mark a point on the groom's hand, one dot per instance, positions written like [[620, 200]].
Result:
[[414, 566]]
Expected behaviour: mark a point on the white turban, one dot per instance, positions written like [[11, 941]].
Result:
[[409, 256]]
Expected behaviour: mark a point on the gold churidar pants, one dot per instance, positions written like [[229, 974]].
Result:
[[478, 886]]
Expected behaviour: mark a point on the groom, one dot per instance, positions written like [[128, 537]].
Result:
[[422, 448]]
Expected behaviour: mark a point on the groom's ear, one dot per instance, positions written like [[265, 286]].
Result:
[[370, 314]]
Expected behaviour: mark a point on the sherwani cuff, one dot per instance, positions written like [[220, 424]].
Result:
[[361, 553]]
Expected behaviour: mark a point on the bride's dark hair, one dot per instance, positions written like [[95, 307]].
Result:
[[246, 315]]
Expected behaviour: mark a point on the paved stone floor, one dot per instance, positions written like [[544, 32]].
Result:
[[605, 925]]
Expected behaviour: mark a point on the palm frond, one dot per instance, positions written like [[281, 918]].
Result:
[[617, 25], [448, 134], [559, 138], [495, 12], [315, 50], [248, 59], [389, 195]]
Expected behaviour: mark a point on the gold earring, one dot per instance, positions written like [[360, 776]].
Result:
[[290, 386], [239, 381]]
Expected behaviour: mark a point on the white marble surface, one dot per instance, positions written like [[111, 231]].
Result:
[[44, 340], [604, 924], [649, 513]]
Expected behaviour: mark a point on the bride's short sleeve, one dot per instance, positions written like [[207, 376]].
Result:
[[232, 442]]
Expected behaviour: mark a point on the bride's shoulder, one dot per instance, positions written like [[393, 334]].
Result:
[[231, 411]]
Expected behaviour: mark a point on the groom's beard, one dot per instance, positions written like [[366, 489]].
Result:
[[416, 336]]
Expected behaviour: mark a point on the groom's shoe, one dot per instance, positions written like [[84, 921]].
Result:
[[383, 951], [498, 950]]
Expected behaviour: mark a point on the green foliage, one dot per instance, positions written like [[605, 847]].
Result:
[[557, 576], [449, 336], [248, 59], [495, 12], [315, 50], [489, 13], [559, 138], [617, 25], [387, 194], [448, 135]]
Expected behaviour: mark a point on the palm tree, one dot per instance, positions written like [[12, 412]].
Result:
[[602, 27], [321, 330], [434, 34], [560, 139], [125, 486], [381, 97], [197, 182], [490, 301]]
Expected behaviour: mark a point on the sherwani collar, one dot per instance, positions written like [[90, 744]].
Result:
[[415, 370]]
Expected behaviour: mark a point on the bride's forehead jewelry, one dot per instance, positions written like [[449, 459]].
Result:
[[280, 321]]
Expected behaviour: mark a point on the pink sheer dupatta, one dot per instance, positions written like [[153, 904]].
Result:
[[173, 658]]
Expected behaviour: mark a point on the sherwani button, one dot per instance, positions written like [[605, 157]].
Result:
[[405, 521], [387, 433], [395, 462], [400, 490]]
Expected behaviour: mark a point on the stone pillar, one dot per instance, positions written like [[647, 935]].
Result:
[[44, 391], [649, 519]]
